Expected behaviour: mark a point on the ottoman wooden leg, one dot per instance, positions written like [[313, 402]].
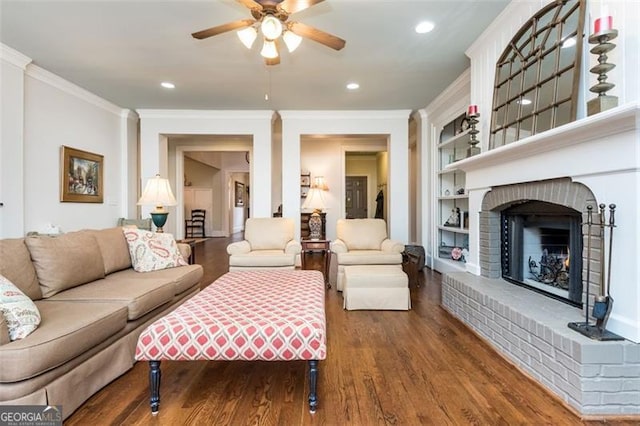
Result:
[[313, 385], [154, 386]]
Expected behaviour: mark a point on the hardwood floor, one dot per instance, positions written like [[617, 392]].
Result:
[[421, 367]]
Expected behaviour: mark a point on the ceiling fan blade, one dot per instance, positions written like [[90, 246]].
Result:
[[222, 28], [249, 4], [317, 35], [293, 6]]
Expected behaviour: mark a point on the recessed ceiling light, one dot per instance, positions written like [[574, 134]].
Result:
[[424, 27], [524, 101], [571, 41], [353, 86], [168, 85]]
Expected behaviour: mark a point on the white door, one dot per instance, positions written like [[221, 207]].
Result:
[[199, 198]]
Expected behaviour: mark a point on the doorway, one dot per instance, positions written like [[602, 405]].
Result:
[[356, 200]]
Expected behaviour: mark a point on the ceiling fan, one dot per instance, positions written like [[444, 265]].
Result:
[[271, 17]]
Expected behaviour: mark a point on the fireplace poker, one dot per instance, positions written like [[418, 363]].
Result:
[[604, 302], [589, 226]]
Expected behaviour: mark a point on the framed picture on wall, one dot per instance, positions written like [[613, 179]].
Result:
[[239, 194], [81, 175]]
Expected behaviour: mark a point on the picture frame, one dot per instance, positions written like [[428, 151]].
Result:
[[304, 191], [239, 191], [81, 176], [305, 180]]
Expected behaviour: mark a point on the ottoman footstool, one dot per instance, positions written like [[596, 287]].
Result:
[[379, 287]]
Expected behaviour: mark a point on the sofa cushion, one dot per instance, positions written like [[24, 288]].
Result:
[[114, 249], [65, 261], [183, 277], [140, 295], [16, 265], [362, 234], [152, 251], [20, 313], [67, 330], [268, 233], [263, 258]]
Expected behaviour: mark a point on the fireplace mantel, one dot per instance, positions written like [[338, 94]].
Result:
[[617, 120]]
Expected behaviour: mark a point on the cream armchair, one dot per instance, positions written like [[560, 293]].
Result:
[[268, 243], [364, 242]]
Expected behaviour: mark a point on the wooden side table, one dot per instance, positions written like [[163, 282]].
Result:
[[318, 245], [192, 244]]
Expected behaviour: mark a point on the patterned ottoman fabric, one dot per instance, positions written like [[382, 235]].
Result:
[[270, 315]]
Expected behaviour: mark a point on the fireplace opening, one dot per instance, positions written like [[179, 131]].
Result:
[[542, 249]]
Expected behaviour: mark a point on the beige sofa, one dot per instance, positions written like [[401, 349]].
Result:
[[268, 244], [93, 306], [364, 242]]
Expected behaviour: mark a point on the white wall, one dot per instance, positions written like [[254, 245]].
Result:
[[13, 65], [55, 113]]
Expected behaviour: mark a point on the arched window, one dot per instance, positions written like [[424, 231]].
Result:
[[536, 85]]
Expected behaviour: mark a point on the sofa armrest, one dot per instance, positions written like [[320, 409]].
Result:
[[390, 246], [338, 246], [293, 247], [239, 247], [4, 331], [185, 251]]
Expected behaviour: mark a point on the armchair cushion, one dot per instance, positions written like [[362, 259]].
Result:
[[362, 234], [268, 233]]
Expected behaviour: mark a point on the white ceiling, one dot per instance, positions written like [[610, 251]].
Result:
[[122, 50]]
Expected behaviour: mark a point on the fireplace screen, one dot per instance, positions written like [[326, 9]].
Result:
[[542, 249]]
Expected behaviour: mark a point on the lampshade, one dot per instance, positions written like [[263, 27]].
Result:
[[320, 183], [271, 27], [269, 49], [247, 36], [157, 193], [291, 40], [314, 200]]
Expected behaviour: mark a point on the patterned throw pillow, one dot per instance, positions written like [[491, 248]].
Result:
[[20, 313], [151, 251]]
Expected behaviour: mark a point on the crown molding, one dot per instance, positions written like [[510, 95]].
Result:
[[14, 57], [208, 114], [342, 115], [66, 86]]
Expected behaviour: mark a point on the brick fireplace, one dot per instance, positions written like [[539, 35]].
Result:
[[587, 162]]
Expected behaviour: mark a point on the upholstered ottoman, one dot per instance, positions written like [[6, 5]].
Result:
[[376, 287]]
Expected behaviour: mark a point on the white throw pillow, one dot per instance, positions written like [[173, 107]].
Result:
[[152, 251], [20, 313]]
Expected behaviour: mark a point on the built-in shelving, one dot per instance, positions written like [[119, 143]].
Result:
[[451, 198]]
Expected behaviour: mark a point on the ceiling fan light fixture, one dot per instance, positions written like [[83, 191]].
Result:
[[247, 36], [271, 27], [291, 40], [269, 49]]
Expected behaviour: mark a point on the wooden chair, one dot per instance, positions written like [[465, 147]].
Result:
[[194, 227]]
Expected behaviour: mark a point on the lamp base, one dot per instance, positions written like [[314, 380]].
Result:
[[315, 226], [159, 219]]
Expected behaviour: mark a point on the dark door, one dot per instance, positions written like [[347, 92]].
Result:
[[356, 197]]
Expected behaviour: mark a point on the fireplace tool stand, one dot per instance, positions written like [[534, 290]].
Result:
[[603, 302]]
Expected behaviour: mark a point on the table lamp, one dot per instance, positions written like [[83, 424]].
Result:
[[158, 193], [314, 201]]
